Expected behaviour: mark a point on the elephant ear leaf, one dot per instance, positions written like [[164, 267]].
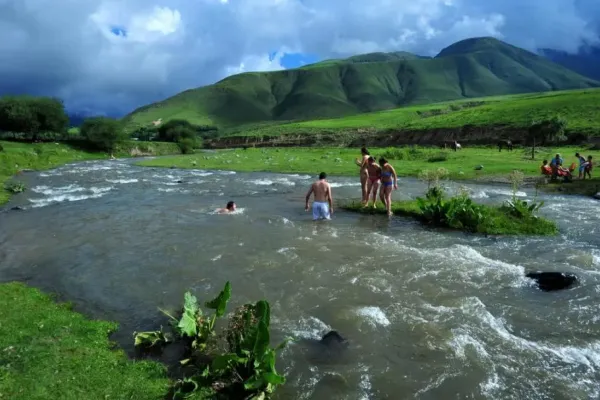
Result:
[[187, 324], [220, 302]]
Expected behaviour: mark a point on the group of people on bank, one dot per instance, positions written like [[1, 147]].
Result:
[[556, 169]]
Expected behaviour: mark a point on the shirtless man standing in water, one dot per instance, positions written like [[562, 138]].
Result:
[[323, 204]]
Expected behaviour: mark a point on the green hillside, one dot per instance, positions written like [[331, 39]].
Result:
[[581, 109], [378, 81]]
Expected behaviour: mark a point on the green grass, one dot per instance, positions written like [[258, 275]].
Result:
[[497, 222], [48, 351], [18, 156], [340, 161], [336, 88], [581, 109]]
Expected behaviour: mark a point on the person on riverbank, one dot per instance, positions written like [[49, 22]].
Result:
[[229, 208], [389, 182], [582, 164], [374, 179], [589, 165], [363, 163], [323, 203]]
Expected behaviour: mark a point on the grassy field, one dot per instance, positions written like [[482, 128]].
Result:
[[581, 109], [48, 351], [340, 161], [335, 88], [497, 222], [17, 156]]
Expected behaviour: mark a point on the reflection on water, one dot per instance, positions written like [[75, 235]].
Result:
[[430, 314]]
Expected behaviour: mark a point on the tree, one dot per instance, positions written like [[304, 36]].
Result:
[[33, 115], [176, 129], [104, 133], [546, 130]]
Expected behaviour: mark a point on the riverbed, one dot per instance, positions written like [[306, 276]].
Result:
[[429, 314]]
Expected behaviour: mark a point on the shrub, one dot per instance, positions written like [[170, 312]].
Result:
[[103, 133], [433, 177], [246, 369], [15, 186], [186, 145], [522, 208], [439, 157], [458, 212]]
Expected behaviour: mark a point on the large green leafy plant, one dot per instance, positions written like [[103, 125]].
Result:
[[245, 371]]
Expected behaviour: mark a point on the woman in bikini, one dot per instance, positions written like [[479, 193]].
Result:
[[374, 178], [364, 173], [389, 182]]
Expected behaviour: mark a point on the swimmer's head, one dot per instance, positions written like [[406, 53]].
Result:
[[322, 176], [382, 161], [231, 206], [364, 151], [576, 154], [544, 162]]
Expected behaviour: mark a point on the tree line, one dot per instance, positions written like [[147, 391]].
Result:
[[45, 119]]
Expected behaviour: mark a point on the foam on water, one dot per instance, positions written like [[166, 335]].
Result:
[[57, 196], [373, 315], [343, 184], [133, 180]]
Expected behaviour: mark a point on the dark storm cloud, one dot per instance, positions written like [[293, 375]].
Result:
[[66, 48]]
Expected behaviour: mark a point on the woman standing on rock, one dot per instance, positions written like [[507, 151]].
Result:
[[364, 173], [389, 182]]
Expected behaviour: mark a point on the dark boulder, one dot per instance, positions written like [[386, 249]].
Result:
[[333, 339], [550, 281], [17, 208]]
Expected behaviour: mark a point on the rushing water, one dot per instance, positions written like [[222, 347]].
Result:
[[430, 314]]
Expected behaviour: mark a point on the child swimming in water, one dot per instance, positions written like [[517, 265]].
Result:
[[229, 208]]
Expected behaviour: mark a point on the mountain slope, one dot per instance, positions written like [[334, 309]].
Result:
[[471, 68], [586, 62]]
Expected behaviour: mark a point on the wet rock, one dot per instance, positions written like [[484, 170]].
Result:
[[179, 181], [173, 167], [17, 208], [550, 281], [597, 196], [479, 168], [333, 339]]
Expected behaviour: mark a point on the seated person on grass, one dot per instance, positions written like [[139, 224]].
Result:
[[546, 169]]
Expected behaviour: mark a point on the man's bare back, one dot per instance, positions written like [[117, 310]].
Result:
[[321, 190], [323, 203]]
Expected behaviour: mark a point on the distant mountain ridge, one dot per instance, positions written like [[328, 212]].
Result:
[[476, 67], [585, 62]]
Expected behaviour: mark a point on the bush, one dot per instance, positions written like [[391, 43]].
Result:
[[103, 133], [15, 186], [186, 145], [439, 157], [458, 212], [433, 177], [522, 208]]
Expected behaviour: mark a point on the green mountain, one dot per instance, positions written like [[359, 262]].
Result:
[[476, 67]]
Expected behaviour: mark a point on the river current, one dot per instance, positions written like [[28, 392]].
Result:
[[430, 314]]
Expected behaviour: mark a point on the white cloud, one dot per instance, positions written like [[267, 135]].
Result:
[[66, 47]]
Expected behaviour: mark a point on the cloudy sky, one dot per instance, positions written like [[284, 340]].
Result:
[[109, 57]]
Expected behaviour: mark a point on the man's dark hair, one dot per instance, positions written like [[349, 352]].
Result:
[[322, 175], [576, 154], [230, 205], [372, 159], [545, 161]]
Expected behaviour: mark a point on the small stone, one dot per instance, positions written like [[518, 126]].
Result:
[[597, 196]]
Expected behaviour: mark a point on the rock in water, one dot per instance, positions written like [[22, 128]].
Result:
[[550, 281], [334, 339], [597, 196]]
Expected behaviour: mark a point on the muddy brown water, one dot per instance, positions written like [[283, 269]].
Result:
[[430, 314]]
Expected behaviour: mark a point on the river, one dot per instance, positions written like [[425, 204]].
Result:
[[429, 314]]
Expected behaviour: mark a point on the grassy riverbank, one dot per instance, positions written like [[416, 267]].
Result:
[[496, 222], [340, 161], [17, 156], [48, 351]]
